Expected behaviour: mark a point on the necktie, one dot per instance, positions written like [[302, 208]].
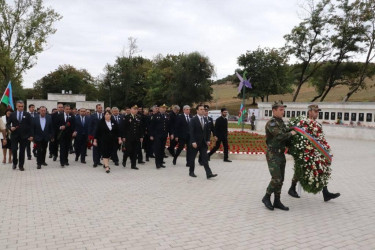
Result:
[[19, 116], [65, 117], [83, 121], [187, 119], [202, 124]]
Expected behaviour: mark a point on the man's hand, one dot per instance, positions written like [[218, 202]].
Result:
[[151, 138], [95, 143], [194, 144], [62, 127], [119, 141], [176, 139], [215, 137], [172, 137], [13, 128], [74, 134], [208, 143]]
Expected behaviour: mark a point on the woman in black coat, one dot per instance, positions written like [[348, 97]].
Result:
[[107, 137]]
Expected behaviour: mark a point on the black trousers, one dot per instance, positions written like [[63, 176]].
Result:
[[64, 149], [149, 148], [54, 147], [41, 152], [172, 146], [20, 143], [159, 147], [131, 149], [139, 151], [181, 144], [202, 149], [28, 149], [114, 155], [80, 146], [217, 146], [95, 155]]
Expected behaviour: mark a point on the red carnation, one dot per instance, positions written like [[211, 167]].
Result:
[[320, 171], [68, 124], [315, 173], [307, 158]]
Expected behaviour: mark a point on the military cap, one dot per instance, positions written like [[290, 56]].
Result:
[[163, 106], [277, 104], [134, 106], [313, 107]]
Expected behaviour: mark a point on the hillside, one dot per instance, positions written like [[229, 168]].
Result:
[[225, 95]]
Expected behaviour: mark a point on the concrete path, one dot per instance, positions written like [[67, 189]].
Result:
[[81, 207]]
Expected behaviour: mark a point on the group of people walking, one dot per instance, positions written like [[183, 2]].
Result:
[[133, 133]]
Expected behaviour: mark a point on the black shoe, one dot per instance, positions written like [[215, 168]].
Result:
[[209, 157], [71, 152], [116, 163], [174, 160], [277, 204], [108, 170], [200, 163], [14, 166], [22, 169], [162, 166], [211, 176], [141, 162], [267, 201], [38, 167], [95, 165], [152, 156], [124, 164], [44, 164], [166, 156], [187, 165], [50, 156], [328, 196], [292, 192], [54, 158], [158, 166], [147, 159], [226, 160], [192, 175], [62, 165], [67, 163], [134, 168], [163, 162], [100, 164], [76, 159], [29, 157], [83, 162]]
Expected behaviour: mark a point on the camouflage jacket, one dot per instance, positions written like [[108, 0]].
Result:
[[277, 134]]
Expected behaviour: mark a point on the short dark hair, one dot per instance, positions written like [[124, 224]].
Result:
[[223, 109], [107, 111], [31, 105], [66, 105], [199, 105], [97, 105], [206, 107]]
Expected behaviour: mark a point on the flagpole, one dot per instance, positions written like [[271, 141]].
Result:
[[243, 106]]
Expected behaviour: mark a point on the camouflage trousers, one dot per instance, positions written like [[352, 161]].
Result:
[[276, 166]]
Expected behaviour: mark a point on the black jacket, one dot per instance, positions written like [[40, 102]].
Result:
[[221, 128], [42, 135], [69, 125], [104, 136], [198, 134], [159, 126], [23, 128], [82, 130], [182, 127], [132, 128]]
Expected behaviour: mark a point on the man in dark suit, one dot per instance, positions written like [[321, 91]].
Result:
[[118, 118], [20, 123], [66, 123], [211, 128], [199, 141], [172, 129], [43, 132], [94, 119], [221, 134], [158, 134], [132, 136], [54, 145], [140, 145], [81, 133], [33, 114], [181, 133]]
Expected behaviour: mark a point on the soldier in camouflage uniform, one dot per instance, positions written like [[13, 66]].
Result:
[[277, 135]]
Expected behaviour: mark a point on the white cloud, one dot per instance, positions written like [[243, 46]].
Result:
[[93, 32]]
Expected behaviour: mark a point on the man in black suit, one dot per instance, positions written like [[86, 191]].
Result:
[[54, 145], [132, 136], [118, 118], [221, 134], [199, 141], [66, 123], [211, 128], [94, 119], [159, 128], [181, 133], [81, 133], [140, 145], [20, 123], [172, 129], [33, 114], [43, 132]]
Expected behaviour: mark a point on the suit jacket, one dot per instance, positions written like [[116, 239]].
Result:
[[82, 129], [182, 127], [43, 135], [211, 126], [69, 125], [94, 120], [23, 128], [221, 128], [119, 120], [172, 122], [159, 126], [132, 129], [198, 134], [105, 136]]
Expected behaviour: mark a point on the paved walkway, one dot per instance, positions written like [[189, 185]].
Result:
[[81, 207]]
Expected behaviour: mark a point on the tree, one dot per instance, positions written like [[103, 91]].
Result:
[[24, 29], [347, 34], [268, 70], [308, 43], [66, 77]]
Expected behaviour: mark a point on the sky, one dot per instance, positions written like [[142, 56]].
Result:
[[92, 33]]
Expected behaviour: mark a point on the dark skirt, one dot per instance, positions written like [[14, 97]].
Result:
[[8, 145], [107, 147]]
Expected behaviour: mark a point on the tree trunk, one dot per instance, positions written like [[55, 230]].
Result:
[[262, 98], [254, 103], [316, 97], [297, 91], [349, 94], [325, 93], [267, 98]]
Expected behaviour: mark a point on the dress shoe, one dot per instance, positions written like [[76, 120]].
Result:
[[163, 162], [158, 166], [209, 157], [211, 176], [277, 204], [67, 163], [83, 162], [174, 160], [38, 167], [50, 156], [14, 166], [141, 162], [100, 164], [192, 175], [124, 164], [162, 166], [166, 156], [267, 201], [147, 159], [76, 159], [44, 164], [116, 163], [226, 160], [328, 196], [54, 158], [22, 169], [95, 165], [29, 157], [134, 168], [62, 165]]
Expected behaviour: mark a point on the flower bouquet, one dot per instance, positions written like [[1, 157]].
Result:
[[311, 153], [62, 131]]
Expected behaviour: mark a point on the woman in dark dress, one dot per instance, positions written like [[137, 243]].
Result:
[[107, 137]]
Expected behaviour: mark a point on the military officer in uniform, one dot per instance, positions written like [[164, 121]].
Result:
[[172, 129], [159, 128], [277, 136], [132, 136]]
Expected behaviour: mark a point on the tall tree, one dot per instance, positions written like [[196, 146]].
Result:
[[268, 71], [308, 42], [25, 26]]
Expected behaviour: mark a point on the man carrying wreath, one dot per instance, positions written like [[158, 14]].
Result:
[[312, 114], [277, 136]]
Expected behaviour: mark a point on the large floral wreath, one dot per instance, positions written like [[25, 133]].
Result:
[[311, 153]]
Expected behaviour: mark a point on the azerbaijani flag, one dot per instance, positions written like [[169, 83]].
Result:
[[242, 114], [7, 98]]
